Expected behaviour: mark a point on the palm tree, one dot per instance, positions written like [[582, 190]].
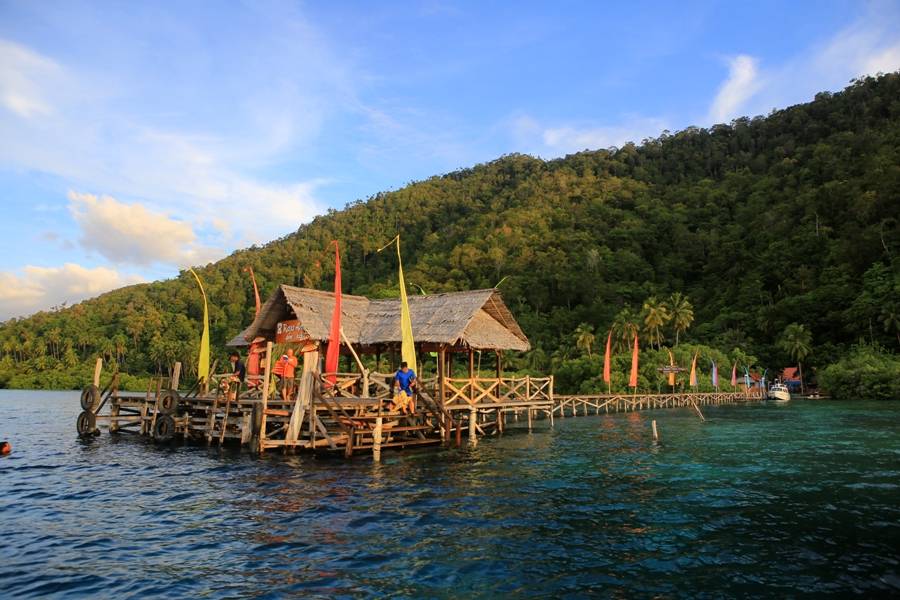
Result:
[[796, 340], [624, 328], [656, 314], [584, 338], [682, 312]]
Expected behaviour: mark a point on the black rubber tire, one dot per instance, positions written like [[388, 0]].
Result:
[[164, 428], [168, 402], [86, 424], [90, 398]]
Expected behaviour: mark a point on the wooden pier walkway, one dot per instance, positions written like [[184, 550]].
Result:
[[566, 406]]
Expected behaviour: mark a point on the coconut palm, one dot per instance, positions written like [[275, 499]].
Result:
[[682, 313], [796, 340], [624, 328], [656, 315], [584, 338]]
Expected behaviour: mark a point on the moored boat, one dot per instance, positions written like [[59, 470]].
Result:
[[779, 393]]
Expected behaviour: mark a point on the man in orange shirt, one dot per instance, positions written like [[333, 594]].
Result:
[[284, 369]]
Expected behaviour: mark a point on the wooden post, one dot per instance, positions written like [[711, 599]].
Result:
[[473, 415], [176, 376], [264, 401], [529, 418], [376, 440], [440, 392], [551, 400], [655, 432], [98, 367]]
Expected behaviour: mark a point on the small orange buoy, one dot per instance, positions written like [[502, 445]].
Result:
[[5, 448]]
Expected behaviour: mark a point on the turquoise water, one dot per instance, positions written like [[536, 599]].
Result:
[[767, 500]]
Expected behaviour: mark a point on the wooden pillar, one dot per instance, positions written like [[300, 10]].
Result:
[[98, 368], [264, 401], [529, 418], [471, 364], [473, 416], [376, 439], [441, 365], [176, 376]]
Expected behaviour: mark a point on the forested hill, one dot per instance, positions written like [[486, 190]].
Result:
[[763, 223]]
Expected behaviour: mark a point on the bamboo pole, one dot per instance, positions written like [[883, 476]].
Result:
[[264, 401], [176, 376]]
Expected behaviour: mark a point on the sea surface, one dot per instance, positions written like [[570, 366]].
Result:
[[759, 500]]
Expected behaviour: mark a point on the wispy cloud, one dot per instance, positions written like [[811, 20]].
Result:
[[24, 76], [742, 83], [551, 140], [41, 287]]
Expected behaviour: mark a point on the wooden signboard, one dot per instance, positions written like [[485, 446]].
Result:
[[291, 332]]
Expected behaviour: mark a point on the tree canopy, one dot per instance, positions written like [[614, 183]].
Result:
[[761, 223]]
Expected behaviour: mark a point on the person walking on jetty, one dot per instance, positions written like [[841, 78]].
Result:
[[404, 383], [234, 381], [284, 369]]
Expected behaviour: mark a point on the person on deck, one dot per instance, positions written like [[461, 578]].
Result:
[[234, 382], [284, 369], [404, 383], [255, 357]]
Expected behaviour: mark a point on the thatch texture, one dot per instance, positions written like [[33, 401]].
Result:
[[478, 319]]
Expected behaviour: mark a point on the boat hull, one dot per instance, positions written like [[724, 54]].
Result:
[[779, 396]]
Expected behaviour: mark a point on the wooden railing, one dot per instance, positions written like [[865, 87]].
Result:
[[495, 392]]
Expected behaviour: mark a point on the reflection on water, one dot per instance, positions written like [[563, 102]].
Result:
[[757, 500]]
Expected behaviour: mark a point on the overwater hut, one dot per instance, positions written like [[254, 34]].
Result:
[[451, 323]]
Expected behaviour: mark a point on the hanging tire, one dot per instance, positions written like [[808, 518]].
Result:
[[86, 424], [90, 398], [164, 428], [168, 402]]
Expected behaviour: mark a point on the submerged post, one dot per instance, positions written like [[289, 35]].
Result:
[[376, 440], [473, 415], [655, 432]]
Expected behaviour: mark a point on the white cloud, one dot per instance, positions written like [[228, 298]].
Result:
[[131, 233], [24, 75], [41, 287], [742, 83], [534, 137]]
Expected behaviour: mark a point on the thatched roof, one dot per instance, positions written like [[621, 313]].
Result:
[[478, 319]]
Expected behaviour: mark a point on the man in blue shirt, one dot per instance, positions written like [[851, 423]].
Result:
[[404, 383]]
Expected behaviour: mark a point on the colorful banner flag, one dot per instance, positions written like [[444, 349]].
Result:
[[333, 353], [407, 344], [693, 382], [633, 379], [606, 358], [747, 377], [734, 375], [715, 374], [203, 358], [255, 289], [671, 364]]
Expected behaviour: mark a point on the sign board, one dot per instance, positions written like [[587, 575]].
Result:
[[671, 369], [291, 332]]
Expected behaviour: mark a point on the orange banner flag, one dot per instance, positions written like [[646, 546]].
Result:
[[633, 380], [671, 364], [694, 382], [333, 352], [607, 357]]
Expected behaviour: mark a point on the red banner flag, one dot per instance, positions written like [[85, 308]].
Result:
[[334, 337], [734, 375], [607, 357], [633, 380]]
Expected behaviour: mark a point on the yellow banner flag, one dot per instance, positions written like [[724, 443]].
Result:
[[407, 344], [203, 360]]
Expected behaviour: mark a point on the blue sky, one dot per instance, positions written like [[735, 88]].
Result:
[[139, 138]]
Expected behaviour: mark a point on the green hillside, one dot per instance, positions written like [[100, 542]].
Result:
[[763, 223]]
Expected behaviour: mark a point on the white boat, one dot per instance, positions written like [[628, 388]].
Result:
[[779, 393]]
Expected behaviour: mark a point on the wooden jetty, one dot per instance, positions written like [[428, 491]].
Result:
[[564, 406], [341, 412]]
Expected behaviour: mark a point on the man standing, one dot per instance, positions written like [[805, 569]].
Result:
[[404, 382], [237, 375], [285, 368]]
